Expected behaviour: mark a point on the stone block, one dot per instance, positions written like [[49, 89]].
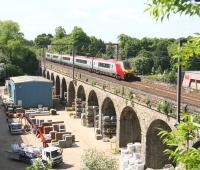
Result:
[[98, 137]]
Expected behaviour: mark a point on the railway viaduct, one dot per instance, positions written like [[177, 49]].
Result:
[[135, 121]]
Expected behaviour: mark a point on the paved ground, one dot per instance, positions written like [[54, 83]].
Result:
[[72, 156]]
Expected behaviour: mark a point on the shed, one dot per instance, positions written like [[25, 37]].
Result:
[[31, 91], [192, 80]]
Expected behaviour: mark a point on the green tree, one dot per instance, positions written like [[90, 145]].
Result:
[[143, 62], [161, 56], [129, 47], [9, 30], [110, 51], [26, 60], [97, 47], [179, 143], [18, 59], [10, 70], [43, 40], [80, 39], [61, 45], [59, 32], [161, 9]]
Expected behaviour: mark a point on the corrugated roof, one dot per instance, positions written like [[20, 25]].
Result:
[[23, 79], [196, 72]]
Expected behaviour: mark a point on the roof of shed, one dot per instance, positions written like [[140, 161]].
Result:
[[24, 79]]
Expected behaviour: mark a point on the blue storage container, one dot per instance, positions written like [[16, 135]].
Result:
[[31, 91]]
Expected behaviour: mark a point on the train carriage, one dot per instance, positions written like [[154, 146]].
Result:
[[104, 66], [67, 59], [56, 58], [83, 62], [48, 56]]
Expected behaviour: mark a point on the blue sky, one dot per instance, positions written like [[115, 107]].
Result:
[[105, 19]]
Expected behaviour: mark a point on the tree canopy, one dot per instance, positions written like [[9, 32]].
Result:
[[161, 9], [43, 40], [18, 59], [84, 45]]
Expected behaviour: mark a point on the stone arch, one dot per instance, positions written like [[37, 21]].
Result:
[[92, 99], [52, 78], [81, 93], [108, 115], [155, 158], [196, 145], [130, 130], [57, 85], [48, 75], [44, 73], [71, 93], [64, 88]]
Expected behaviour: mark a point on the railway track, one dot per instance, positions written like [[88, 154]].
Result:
[[147, 87], [161, 91]]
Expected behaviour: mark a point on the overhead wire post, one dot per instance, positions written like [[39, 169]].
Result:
[[73, 53], [181, 41]]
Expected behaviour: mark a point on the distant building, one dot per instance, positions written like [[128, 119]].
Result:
[[31, 91], [192, 80]]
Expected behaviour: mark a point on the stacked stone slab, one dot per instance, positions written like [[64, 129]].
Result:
[[78, 107], [63, 140], [83, 103], [87, 118], [130, 158], [83, 119], [73, 105], [109, 126]]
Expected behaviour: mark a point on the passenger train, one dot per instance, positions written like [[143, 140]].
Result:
[[111, 67]]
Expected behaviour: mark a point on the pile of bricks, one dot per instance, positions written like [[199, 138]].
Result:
[[78, 107], [54, 133], [109, 126]]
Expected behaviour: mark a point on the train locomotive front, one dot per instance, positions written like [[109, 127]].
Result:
[[125, 70]]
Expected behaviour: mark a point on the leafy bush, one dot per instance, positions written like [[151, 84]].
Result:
[[159, 106], [130, 95], [148, 102], [94, 160], [165, 107], [39, 165], [178, 141], [169, 77]]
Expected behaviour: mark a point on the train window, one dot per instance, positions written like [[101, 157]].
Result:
[[55, 56], [81, 61], [48, 55], [126, 65], [105, 65], [66, 58]]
